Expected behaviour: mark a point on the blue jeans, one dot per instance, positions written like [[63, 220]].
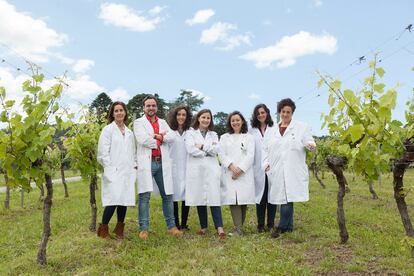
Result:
[[286, 217], [167, 201], [215, 213]]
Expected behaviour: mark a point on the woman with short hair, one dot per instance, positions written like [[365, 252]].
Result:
[[116, 154], [284, 160]]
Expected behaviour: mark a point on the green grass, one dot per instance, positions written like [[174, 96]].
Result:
[[374, 246]]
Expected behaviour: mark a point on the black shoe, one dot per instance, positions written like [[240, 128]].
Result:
[[269, 228], [261, 229], [275, 232], [184, 228]]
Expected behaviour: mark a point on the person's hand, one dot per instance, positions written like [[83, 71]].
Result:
[[311, 146], [159, 137], [267, 168], [236, 171], [199, 146]]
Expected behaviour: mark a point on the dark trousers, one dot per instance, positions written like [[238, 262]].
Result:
[[184, 214], [215, 213], [109, 211], [286, 217], [261, 209]]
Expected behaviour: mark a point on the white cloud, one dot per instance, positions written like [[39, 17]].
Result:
[[221, 32], [29, 37], [83, 65], [317, 3], [200, 17], [288, 49], [82, 87], [123, 16], [13, 86], [254, 96], [156, 10], [198, 93], [119, 94]]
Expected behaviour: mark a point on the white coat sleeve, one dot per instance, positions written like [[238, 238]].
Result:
[[224, 159], [248, 159], [142, 137], [104, 148], [191, 148], [307, 137], [169, 135], [265, 151], [212, 147]]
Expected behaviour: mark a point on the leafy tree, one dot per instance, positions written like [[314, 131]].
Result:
[[82, 147], [220, 121], [101, 104], [136, 106], [188, 98], [400, 165], [316, 160], [24, 150], [360, 124]]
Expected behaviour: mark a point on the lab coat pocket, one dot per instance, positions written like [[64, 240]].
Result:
[[109, 173]]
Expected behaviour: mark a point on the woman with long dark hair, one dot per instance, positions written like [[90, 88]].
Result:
[[179, 120], [261, 122], [237, 156], [116, 153]]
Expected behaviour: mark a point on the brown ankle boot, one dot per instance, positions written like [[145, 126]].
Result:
[[119, 230], [103, 231]]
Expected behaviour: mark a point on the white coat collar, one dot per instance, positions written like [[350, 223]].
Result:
[[147, 123], [115, 127], [290, 128], [198, 131]]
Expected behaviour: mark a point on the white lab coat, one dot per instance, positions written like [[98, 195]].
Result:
[[237, 149], [259, 173], [116, 153], [202, 182], [144, 135], [288, 174], [178, 154]]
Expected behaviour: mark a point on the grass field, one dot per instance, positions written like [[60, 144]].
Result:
[[374, 246]]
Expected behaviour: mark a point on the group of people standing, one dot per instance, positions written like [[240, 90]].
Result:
[[187, 162]]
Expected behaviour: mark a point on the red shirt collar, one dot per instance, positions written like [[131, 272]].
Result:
[[149, 119]]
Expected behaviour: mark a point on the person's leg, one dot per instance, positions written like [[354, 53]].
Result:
[[218, 221], [290, 224], [103, 231], [261, 209], [184, 215], [119, 228], [121, 213], [271, 215], [176, 218], [202, 217], [143, 210], [108, 213], [236, 215], [167, 200], [244, 212], [286, 217]]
